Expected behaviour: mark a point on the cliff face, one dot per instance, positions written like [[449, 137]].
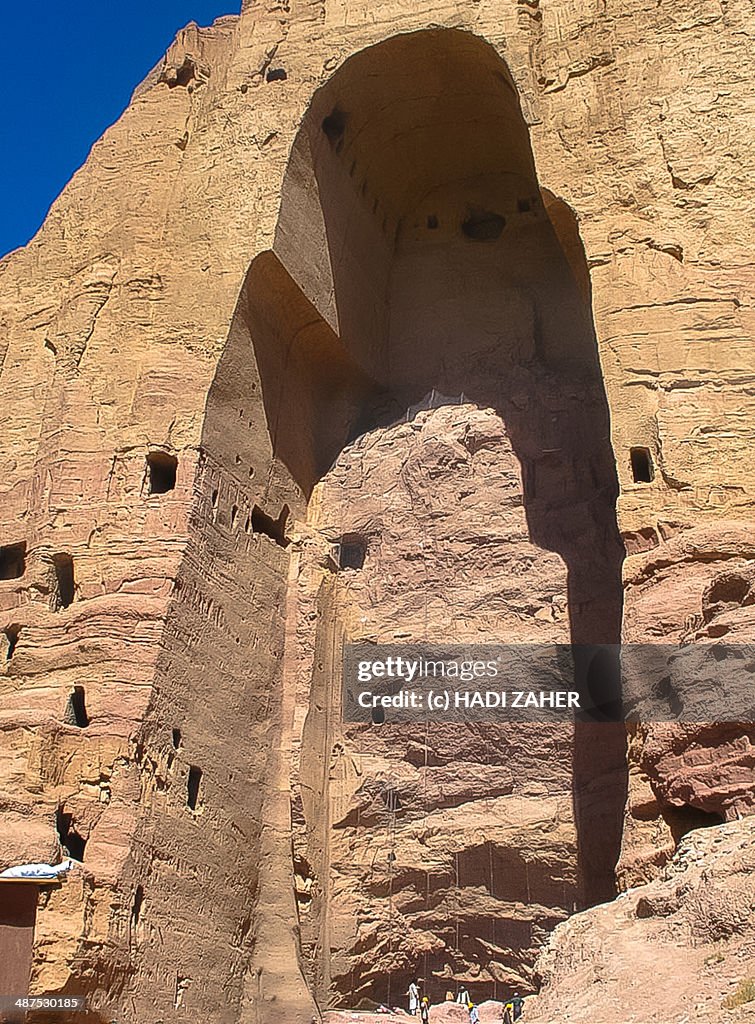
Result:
[[694, 588], [310, 218], [452, 850]]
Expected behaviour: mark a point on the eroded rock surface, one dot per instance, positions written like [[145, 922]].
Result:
[[451, 850], [676, 948], [692, 589], [310, 214]]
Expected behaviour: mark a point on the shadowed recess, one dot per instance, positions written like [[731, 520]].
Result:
[[416, 253]]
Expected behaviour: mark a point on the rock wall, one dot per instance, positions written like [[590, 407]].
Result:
[[691, 588], [441, 849], [280, 247]]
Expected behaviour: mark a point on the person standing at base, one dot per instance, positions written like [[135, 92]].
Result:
[[474, 1017], [508, 1013], [463, 996], [517, 1004], [413, 997], [424, 1010]]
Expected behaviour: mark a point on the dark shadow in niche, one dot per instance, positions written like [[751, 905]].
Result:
[[182, 76], [161, 471], [12, 561], [303, 366], [12, 633], [334, 125], [72, 842], [65, 584], [275, 529], [352, 551], [598, 677], [350, 330], [136, 906], [685, 818], [76, 712], [483, 225], [642, 465], [192, 786]]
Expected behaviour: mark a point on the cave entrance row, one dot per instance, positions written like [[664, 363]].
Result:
[[417, 254]]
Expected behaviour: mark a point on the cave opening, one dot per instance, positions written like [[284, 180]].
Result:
[[64, 585], [193, 783], [352, 551], [483, 225], [642, 465], [333, 126], [275, 529], [728, 591], [76, 711], [72, 841], [12, 634], [136, 906], [161, 472], [12, 561], [438, 265], [685, 818]]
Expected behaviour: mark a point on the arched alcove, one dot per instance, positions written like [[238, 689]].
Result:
[[420, 252], [412, 222], [418, 263]]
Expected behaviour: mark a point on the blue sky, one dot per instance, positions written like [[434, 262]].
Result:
[[69, 68]]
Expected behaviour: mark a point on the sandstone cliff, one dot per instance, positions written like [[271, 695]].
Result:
[[310, 217]]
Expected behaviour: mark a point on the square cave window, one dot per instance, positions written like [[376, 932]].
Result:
[[352, 551], [642, 465], [12, 561], [161, 472]]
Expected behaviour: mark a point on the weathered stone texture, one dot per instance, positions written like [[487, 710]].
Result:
[[230, 284], [681, 944], [448, 838]]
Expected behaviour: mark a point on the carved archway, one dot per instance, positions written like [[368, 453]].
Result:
[[416, 253]]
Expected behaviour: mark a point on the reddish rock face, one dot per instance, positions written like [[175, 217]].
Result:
[[211, 361], [680, 944], [442, 850], [693, 589]]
